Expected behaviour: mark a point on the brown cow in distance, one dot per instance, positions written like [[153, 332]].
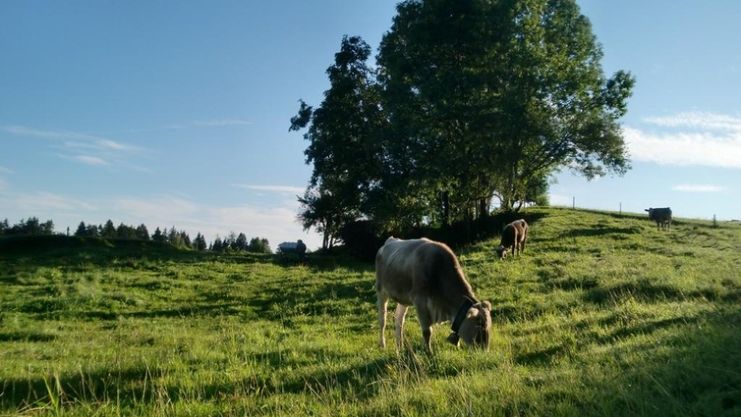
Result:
[[514, 236]]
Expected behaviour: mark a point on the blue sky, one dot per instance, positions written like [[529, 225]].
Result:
[[177, 113]]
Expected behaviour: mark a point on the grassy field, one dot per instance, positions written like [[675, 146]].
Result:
[[603, 315]]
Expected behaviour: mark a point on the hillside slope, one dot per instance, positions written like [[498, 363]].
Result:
[[602, 315]]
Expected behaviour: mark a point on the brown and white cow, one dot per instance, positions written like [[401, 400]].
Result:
[[427, 275]]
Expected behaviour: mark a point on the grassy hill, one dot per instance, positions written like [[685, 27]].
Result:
[[603, 315]]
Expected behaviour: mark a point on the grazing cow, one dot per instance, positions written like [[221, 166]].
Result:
[[662, 216], [514, 236], [427, 275]]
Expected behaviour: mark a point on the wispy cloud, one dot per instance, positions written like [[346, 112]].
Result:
[[3, 184], [698, 188], [210, 123], [90, 160], [4, 170], [100, 145], [46, 202], [222, 122], [698, 120], [65, 135], [282, 189], [92, 150], [694, 138]]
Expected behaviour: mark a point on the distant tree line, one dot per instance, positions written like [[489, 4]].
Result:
[[30, 226], [177, 238]]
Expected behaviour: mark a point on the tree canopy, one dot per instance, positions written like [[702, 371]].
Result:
[[470, 100]]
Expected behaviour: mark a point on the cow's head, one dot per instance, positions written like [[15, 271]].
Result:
[[475, 328], [501, 252]]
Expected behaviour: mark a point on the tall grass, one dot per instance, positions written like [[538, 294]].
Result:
[[602, 315]]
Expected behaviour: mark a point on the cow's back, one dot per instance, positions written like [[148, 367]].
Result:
[[407, 267]]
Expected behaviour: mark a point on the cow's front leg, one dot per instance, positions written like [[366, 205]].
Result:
[[382, 302], [401, 312]]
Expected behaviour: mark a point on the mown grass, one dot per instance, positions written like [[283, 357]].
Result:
[[603, 315]]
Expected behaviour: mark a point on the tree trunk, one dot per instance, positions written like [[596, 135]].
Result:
[[445, 197], [483, 208]]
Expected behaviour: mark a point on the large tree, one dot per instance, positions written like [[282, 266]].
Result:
[[495, 95], [344, 139], [470, 100]]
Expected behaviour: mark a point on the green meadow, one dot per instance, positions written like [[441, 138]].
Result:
[[603, 315]]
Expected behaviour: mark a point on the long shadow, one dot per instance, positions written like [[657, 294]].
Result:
[[279, 301], [647, 291], [136, 385], [697, 372], [97, 385], [26, 336], [599, 230]]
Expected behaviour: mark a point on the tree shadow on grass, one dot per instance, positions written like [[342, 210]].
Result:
[[600, 230], [646, 290], [139, 385], [25, 336], [337, 299], [696, 372]]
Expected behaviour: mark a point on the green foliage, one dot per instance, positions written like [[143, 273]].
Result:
[[259, 245], [471, 100], [344, 142], [30, 226], [602, 315]]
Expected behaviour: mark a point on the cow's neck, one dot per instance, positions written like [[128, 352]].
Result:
[[460, 313], [459, 304]]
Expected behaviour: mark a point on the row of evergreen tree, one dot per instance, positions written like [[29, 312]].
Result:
[[177, 238], [32, 226]]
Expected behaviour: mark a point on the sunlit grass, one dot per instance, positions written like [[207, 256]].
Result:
[[602, 315]]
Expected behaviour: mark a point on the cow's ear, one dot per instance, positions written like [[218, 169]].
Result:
[[487, 305], [472, 312]]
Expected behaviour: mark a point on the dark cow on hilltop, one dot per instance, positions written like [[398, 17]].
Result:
[[662, 216], [427, 275]]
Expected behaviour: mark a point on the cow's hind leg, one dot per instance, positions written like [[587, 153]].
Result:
[[401, 312], [382, 302]]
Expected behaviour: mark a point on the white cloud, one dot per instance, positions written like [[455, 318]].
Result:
[[717, 143], [283, 189], [698, 188], [5, 170], [3, 185], [559, 200]]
